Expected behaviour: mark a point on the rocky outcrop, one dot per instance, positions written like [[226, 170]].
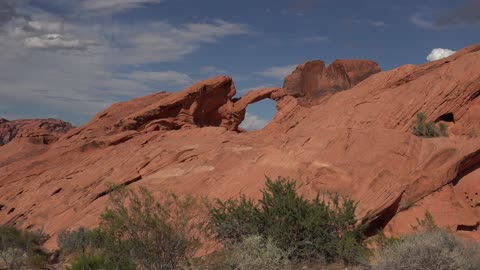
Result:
[[313, 80], [208, 103], [30, 137], [356, 142], [41, 131]]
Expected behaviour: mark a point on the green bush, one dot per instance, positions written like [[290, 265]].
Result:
[[256, 253], [433, 249], [323, 229], [85, 262], [21, 248], [430, 129], [79, 241], [147, 233]]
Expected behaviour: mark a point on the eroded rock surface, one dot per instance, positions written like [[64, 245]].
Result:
[[313, 79], [43, 131], [357, 142], [28, 137]]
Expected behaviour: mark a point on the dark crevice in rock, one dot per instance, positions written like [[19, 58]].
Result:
[[383, 218], [467, 228], [108, 191], [11, 211], [56, 191], [15, 220], [474, 96], [469, 164]]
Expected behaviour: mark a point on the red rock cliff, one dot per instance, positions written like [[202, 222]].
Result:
[[356, 142]]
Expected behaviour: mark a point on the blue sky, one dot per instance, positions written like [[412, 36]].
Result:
[[70, 59]]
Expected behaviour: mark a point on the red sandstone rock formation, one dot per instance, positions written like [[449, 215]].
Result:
[[21, 138], [312, 80], [43, 131], [357, 142]]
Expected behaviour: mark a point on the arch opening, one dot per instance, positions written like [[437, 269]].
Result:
[[259, 114]]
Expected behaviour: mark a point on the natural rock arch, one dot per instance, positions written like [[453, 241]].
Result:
[[238, 108]]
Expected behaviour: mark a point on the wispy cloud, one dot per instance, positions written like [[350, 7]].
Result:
[[112, 6], [163, 42], [277, 72], [418, 20], [465, 14], [78, 67], [377, 23], [171, 78], [356, 20], [253, 122], [9, 12], [212, 70], [57, 42]]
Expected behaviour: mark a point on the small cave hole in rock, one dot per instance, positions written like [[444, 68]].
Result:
[[11, 211], [259, 114], [448, 117], [467, 228]]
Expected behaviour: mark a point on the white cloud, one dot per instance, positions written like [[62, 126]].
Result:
[[111, 6], [49, 35], [439, 53], [76, 68], [57, 42], [277, 72], [42, 27], [252, 122], [172, 78], [76, 65]]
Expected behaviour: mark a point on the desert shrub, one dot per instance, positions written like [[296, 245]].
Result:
[[431, 249], [309, 229], [234, 219], [88, 262], [423, 129], [152, 235], [21, 248], [380, 240], [256, 253], [79, 241], [427, 223]]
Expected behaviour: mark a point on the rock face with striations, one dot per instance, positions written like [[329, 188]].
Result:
[[313, 79], [43, 131], [356, 142], [28, 137]]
